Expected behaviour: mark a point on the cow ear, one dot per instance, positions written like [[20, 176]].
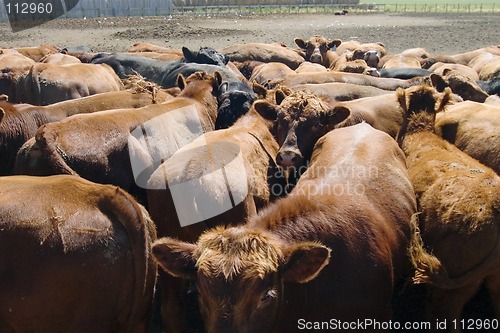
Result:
[[334, 43], [175, 257], [226, 59], [259, 89], [218, 78], [446, 71], [181, 82], [438, 82], [279, 96], [304, 261], [188, 54], [335, 116], [300, 43], [2, 114], [223, 88], [266, 110]]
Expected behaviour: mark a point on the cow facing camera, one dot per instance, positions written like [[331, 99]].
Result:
[[26, 14]]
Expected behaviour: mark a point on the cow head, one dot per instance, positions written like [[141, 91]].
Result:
[[420, 105], [370, 52], [239, 273], [302, 118], [206, 55], [461, 85], [235, 99], [316, 47]]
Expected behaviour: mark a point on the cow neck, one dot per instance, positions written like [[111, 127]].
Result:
[[202, 92], [260, 129]]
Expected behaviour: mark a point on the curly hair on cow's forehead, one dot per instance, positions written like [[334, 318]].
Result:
[[300, 101], [236, 251]]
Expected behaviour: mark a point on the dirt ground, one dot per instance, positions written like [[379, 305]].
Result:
[[438, 33]]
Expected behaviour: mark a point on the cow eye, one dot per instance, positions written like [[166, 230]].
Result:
[[269, 295]]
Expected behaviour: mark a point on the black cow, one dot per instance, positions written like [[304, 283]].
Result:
[[492, 87]]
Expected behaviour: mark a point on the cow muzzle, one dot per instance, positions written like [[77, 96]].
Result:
[[289, 159], [372, 58], [316, 58]]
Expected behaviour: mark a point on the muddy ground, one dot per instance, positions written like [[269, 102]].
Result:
[[438, 33]]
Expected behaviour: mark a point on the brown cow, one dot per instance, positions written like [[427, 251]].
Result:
[[60, 59], [157, 55], [37, 52], [12, 66], [75, 259], [461, 58], [348, 245], [441, 67], [420, 53], [20, 122], [48, 83], [340, 91], [402, 61], [302, 118], [370, 52], [271, 71], [124, 146], [477, 63], [310, 67], [317, 49], [490, 70], [264, 53], [461, 85], [475, 129], [245, 154], [459, 204], [354, 78], [148, 47]]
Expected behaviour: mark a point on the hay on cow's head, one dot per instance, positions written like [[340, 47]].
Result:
[[138, 84]]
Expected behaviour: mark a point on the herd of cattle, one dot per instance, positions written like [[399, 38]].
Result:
[[351, 173]]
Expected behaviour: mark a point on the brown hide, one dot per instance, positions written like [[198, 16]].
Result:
[[268, 72], [477, 63], [461, 58], [106, 146], [148, 47], [490, 70], [12, 66], [60, 59], [77, 259], [459, 204], [264, 53], [309, 67], [402, 61], [240, 270], [37, 52], [22, 121], [192, 163], [381, 112], [461, 85], [340, 91], [48, 83], [441, 67], [156, 55], [354, 78], [475, 129]]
